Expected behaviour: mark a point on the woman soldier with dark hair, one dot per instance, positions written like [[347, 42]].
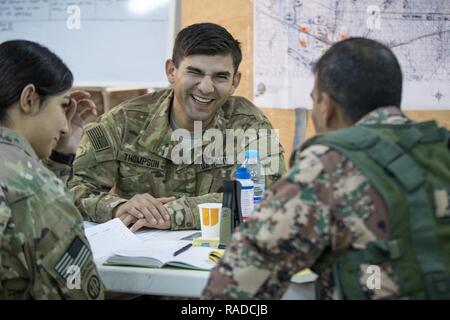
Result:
[[44, 253]]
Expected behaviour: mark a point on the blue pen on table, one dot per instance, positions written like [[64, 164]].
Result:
[[182, 249]]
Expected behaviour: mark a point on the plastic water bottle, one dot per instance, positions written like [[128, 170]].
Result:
[[253, 165], [243, 176]]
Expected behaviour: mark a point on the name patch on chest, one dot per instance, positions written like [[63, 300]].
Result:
[[142, 161]]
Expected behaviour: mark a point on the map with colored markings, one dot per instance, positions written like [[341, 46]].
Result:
[[290, 35]]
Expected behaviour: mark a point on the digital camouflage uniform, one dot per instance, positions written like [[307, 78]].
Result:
[[324, 205], [129, 151], [42, 241]]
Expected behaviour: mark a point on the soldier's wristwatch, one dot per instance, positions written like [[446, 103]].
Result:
[[62, 157]]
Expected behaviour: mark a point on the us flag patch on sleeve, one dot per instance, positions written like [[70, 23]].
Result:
[[98, 138], [76, 255]]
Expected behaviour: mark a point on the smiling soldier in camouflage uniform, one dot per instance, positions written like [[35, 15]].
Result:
[[125, 166], [362, 200]]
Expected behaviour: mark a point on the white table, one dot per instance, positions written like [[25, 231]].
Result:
[[171, 281], [182, 282]]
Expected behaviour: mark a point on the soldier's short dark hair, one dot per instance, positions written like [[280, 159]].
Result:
[[23, 62], [206, 39], [360, 75]]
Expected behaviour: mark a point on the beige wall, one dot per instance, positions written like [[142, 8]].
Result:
[[237, 17]]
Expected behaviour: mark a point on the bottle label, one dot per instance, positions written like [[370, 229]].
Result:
[[246, 201]]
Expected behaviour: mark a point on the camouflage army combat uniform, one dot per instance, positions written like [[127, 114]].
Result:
[[324, 208], [42, 242], [129, 151]]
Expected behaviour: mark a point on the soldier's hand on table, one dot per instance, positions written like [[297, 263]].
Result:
[[146, 207], [80, 109], [126, 218], [144, 223]]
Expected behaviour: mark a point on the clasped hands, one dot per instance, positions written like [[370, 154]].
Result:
[[144, 210]]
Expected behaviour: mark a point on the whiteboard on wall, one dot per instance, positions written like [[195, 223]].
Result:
[[104, 42]]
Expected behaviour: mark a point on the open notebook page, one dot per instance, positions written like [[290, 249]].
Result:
[[160, 253], [106, 238]]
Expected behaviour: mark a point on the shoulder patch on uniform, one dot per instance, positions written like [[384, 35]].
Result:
[[77, 255], [94, 287], [98, 138]]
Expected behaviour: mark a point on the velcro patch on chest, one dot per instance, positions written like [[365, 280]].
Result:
[[75, 256], [218, 164], [141, 161], [98, 138]]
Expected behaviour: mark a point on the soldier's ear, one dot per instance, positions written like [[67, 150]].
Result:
[[329, 111], [170, 71], [29, 100], [333, 114], [236, 81]]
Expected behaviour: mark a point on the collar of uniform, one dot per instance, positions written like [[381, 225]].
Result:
[[12, 137], [219, 122], [384, 115], [158, 132]]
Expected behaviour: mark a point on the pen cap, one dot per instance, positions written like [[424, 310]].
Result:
[[182, 249]]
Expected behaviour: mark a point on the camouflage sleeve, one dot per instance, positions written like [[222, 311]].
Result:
[[5, 214], [95, 170], [61, 170], [184, 211], [49, 259], [286, 234], [274, 167]]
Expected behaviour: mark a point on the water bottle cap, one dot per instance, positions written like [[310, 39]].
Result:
[[242, 173], [251, 154]]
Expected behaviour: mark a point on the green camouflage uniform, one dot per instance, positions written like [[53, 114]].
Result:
[[323, 205], [129, 151], [42, 241]]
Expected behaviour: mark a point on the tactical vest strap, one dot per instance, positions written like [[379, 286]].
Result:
[[448, 139], [437, 279], [393, 159], [433, 134], [411, 178], [410, 138]]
